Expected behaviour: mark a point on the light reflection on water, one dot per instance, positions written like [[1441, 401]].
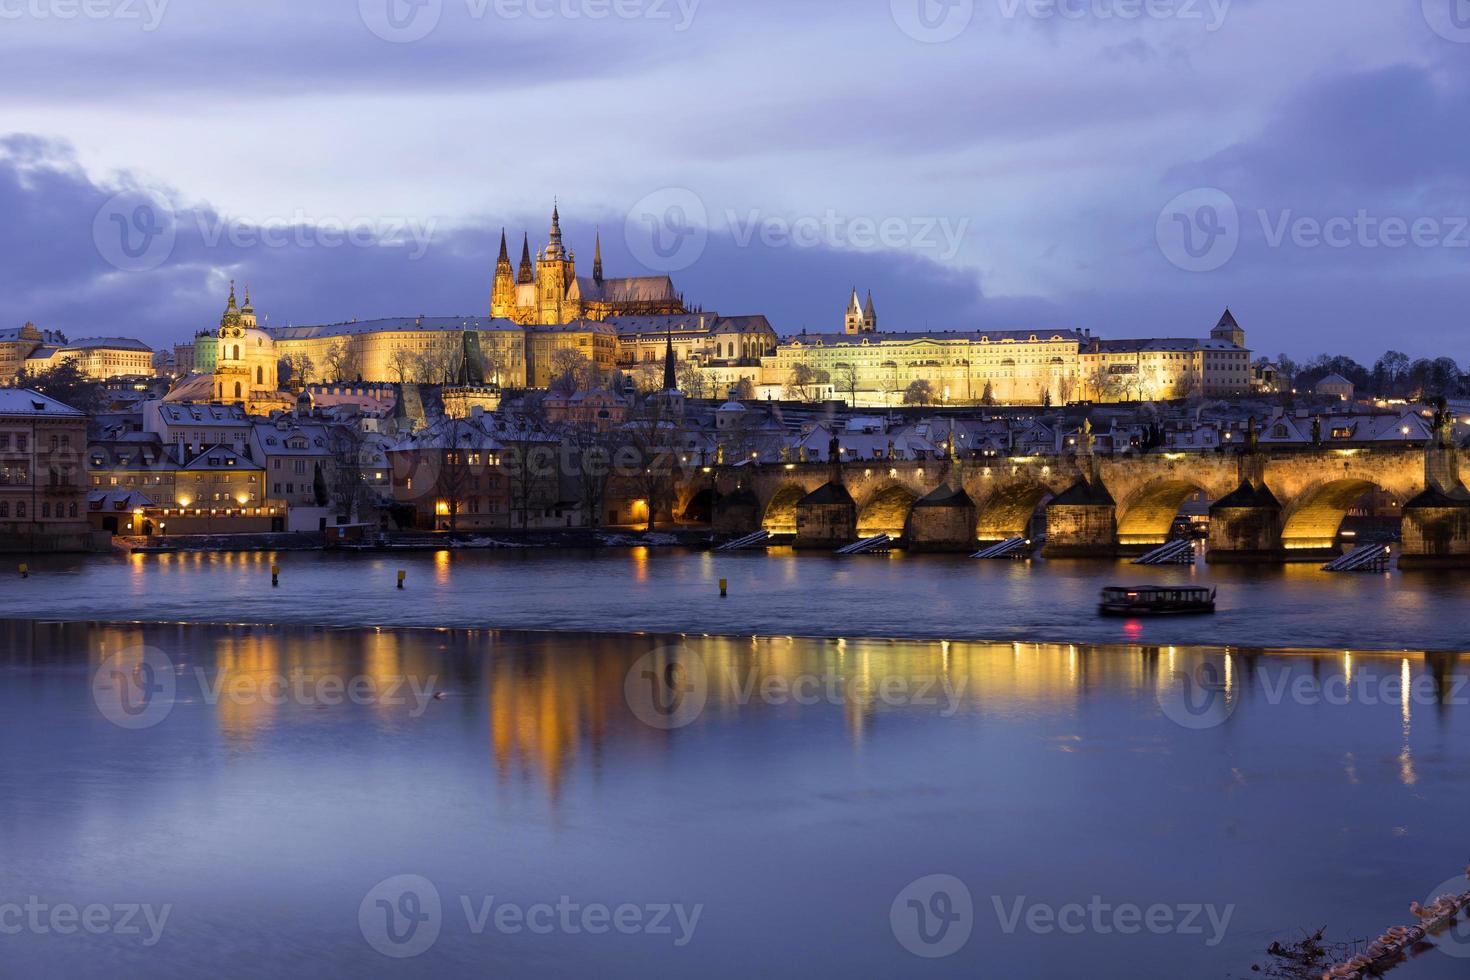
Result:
[[670, 590], [820, 778]]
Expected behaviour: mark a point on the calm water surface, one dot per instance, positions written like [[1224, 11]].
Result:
[[673, 591], [1038, 774]]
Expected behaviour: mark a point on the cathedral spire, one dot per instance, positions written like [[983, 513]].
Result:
[[527, 273], [597, 260], [231, 306], [554, 248], [504, 255], [247, 308], [671, 376]]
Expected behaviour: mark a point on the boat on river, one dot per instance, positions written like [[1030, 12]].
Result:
[[1152, 600]]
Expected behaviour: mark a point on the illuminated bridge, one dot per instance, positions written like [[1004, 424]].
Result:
[[1266, 505]]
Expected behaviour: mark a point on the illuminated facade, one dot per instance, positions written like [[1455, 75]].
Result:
[[1003, 367], [551, 292]]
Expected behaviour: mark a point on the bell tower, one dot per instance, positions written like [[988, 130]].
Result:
[[555, 272], [231, 373]]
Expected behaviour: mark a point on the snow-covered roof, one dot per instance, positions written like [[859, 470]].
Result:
[[33, 404]]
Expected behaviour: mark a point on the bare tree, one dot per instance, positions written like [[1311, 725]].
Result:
[[692, 380], [653, 434], [402, 364], [805, 382], [570, 371], [845, 378]]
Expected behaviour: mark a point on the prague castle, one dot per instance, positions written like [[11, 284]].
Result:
[[544, 318]]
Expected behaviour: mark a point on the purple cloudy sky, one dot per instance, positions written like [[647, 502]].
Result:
[[1125, 166]]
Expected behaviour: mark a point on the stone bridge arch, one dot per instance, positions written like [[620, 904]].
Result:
[[1147, 516], [779, 515], [886, 511], [1313, 518], [1006, 511]]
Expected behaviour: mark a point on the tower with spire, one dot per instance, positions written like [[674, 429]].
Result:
[[503, 293], [860, 317], [556, 271]]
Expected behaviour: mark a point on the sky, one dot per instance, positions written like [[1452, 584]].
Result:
[[1129, 167]]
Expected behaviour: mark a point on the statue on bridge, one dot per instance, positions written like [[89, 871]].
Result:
[[1444, 423]]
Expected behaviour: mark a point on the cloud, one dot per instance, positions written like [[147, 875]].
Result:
[[59, 265]]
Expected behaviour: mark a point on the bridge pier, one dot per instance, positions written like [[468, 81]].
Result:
[[1436, 531], [1245, 526], [1082, 522], [944, 520], [826, 518]]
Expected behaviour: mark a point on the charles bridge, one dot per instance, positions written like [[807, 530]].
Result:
[[1267, 505]]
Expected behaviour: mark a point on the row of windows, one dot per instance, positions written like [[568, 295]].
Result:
[[46, 509]]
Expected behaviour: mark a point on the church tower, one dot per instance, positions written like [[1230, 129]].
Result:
[[852, 323], [231, 374], [503, 293], [1228, 329], [861, 317], [556, 270]]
